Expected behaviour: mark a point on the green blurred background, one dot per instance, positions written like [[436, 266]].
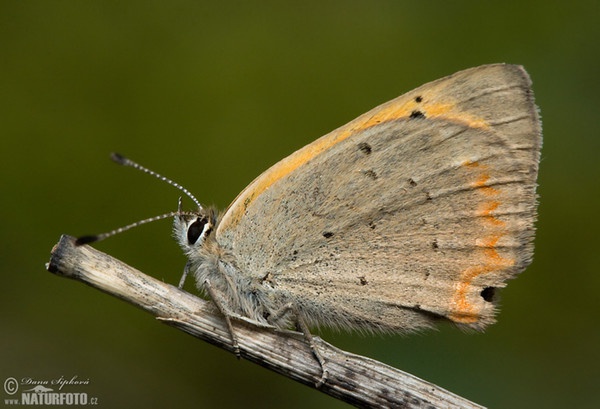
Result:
[[211, 95]]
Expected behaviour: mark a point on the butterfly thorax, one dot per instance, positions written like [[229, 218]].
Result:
[[212, 265]]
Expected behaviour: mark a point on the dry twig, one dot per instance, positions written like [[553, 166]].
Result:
[[360, 381]]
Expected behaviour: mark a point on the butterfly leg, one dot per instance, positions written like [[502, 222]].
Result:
[[309, 338], [303, 327], [226, 314], [186, 270]]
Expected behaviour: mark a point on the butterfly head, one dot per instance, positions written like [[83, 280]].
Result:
[[192, 229]]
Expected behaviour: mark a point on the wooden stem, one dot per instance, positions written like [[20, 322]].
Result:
[[360, 381]]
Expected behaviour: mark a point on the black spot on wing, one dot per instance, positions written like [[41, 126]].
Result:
[[370, 174], [365, 148], [417, 115], [488, 294]]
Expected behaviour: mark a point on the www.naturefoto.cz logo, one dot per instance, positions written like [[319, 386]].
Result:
[[46, 391]]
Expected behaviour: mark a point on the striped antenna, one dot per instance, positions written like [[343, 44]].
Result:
[[97, 237], [122, 160]]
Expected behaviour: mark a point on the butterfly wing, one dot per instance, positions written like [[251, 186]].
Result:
[[416, 210]]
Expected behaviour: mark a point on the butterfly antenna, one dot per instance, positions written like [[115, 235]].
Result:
[[97, 237], [122, 160]]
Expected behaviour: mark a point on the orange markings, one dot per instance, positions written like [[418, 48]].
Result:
[[449, 112], [483, 178], [481, 183], [399, 108], [489, 242], [395, 110], [485, 210], [462, 310]]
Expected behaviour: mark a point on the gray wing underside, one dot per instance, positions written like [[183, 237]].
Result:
[[406, 221]]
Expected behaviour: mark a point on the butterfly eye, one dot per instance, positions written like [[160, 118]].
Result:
[[196, 229]]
